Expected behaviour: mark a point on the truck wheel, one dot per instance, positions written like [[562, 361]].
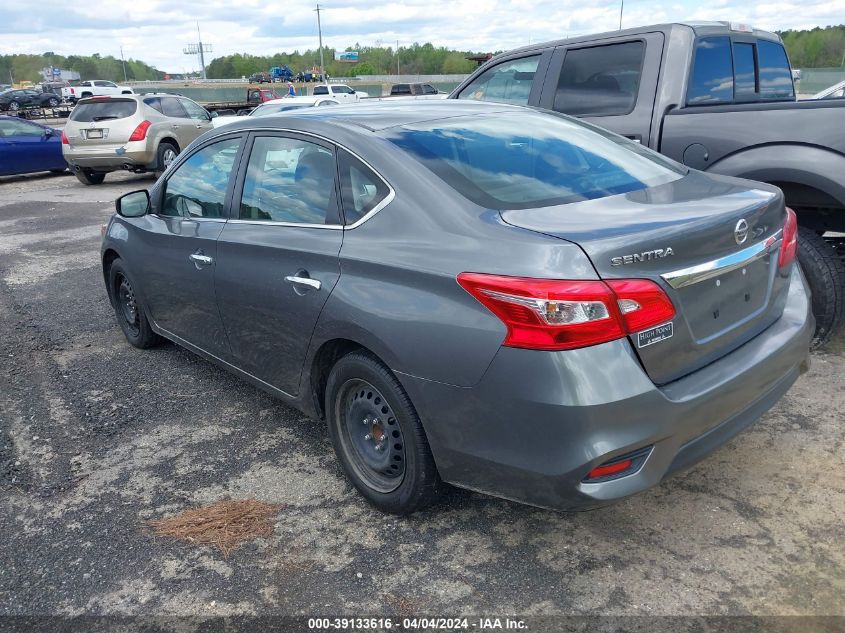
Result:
[[88, 177], [85, 95], [825, 274]]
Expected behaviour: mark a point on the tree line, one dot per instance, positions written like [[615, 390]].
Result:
[[814, 48], [28, 67]]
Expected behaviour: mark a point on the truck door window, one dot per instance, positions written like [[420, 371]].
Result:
[[745, 72], [775, 77], [600, 80], [320, 90], [712, 79], [508, 82]]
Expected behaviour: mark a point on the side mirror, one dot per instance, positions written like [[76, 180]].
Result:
[[213, 114], [133, 204]]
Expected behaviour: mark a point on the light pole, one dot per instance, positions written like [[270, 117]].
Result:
[[397, 58], [320, 36], [123, 61], [621, 9]]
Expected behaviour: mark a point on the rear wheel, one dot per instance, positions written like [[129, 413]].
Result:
[[88, 177], [378, 437], [14, 106], [128, 308], [165, 155], [825, 275]]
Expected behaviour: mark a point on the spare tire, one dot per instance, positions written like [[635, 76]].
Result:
[[825, 273]]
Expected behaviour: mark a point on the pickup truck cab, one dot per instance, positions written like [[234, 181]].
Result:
[[340, 92], [715, 96], [95, 88]]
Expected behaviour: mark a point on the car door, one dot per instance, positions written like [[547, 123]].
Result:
[[611, 84], [26, 147], [198, 115], [277, 258], [189, 210], [182, 126]]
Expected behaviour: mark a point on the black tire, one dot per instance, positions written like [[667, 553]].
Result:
[[88, 177], [14, 106], [825, 273], [165, 155], [129, 309], [85, 95], [53, 102], [366, 407]]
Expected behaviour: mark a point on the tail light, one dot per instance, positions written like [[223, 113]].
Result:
[[65, 140], [140, 132], [553, 314], [72, 91], [790, 239]]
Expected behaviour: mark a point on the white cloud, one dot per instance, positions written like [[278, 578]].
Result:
[[156, 31]]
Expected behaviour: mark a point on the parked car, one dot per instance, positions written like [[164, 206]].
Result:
[[413, 89], [508, 300], [94, 88], [27, 147], [133, 132], [14, 100], [260, 78], [340, 92], [715, 96], [276, 106], [836, 91]]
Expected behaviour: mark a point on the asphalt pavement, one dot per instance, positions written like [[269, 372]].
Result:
[[96, 438]]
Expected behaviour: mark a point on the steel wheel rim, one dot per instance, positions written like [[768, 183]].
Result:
[[14, 105], [168, 157], [127, 305], [371, 436]]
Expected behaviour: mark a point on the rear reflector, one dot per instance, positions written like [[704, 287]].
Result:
[[790, 239], [140, 132], [610, 469], [554, 314]]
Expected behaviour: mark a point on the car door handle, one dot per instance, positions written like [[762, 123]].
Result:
[[200, 260], [304, 281]]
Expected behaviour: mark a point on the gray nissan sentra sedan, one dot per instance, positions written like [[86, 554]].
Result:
[[506, 300]]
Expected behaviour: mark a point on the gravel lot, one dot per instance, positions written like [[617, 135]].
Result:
[[96, 438]]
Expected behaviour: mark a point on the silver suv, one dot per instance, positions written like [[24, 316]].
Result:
[[134, 132]]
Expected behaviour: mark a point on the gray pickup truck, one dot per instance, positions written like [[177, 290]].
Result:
[[715, 96]]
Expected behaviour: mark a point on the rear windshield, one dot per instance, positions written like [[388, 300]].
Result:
[[518, 160], [103, 110]]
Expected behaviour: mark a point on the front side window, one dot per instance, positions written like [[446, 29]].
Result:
[[344, 90], [194, 110], [712, 79], [519, 160], [600, 80], [508, 82], [428, 89], [361, 189], [197, 189], [289, 180], [775, 75]]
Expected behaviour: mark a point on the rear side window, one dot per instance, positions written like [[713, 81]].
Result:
[[745, 72], [197, 189], [103, 110], [508, 82], [519, 160], [361, 189], [712, 79], [775, 77], [321, 90], [401, 89], [601, 80], [154, 103]]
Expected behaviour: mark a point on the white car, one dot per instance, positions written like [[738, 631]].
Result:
[[340, 92], [95, 88], [277, 106]]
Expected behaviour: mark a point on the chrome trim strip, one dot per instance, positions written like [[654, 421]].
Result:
[[303, 225], [709, 270]]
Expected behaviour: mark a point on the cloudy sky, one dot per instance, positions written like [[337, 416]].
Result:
[[156, 31]]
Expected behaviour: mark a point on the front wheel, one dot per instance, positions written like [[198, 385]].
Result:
[[53, 102], [378, 436], [825, 273], [129, 309], [14, 106]]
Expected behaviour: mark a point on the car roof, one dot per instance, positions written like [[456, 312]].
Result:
[[380, 115]]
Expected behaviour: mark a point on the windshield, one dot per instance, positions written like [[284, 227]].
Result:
[[517, 160], [103, 110], [275, 108]]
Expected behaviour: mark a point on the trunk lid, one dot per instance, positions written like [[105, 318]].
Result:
[[102, 121], [712, 243]]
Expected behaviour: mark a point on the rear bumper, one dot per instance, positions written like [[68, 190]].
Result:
[[537, 422], [110, 157]]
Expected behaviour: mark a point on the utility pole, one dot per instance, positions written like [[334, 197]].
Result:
[[397, 58], [621, 8], [320, 36], [123, 61]]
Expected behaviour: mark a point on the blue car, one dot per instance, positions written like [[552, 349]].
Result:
[[27, 147]]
